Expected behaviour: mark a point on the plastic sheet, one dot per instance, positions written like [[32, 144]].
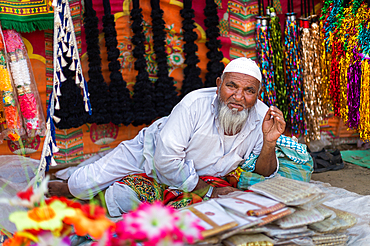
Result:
[[16, 173]]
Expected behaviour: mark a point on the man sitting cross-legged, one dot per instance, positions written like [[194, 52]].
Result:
[[210, 132]]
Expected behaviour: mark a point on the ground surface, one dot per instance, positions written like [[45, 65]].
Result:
[[352, 177]]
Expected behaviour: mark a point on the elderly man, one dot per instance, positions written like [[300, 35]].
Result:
[[210, 132]]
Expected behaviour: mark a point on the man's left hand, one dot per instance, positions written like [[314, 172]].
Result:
[[273, 125]]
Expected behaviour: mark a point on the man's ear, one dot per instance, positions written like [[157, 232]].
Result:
[[218, 82]]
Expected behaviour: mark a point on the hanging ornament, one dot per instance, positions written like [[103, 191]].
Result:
[[268, 94], [278, 63], [121, 104], [98, 88], [24, 81], [11, 122], [165, 95], [294, 76], [215, 56], [144, 107], [70, 106], [192, 80]]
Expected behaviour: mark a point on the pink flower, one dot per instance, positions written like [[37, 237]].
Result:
[[189, 227]]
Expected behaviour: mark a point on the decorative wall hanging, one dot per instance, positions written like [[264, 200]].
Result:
[[144, 108], [215, 56], [165, 95], [67, 76], [191, 81], [11, 116], [98, 89], [70, 105], [25, 84], [121, 104], [26, 16]]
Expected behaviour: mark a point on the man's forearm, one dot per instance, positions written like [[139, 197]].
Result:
[[201, 188], [266, 162]]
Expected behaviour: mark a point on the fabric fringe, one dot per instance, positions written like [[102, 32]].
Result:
[[27, 26]]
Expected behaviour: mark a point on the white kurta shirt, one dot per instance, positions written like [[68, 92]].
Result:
[[177, 149]]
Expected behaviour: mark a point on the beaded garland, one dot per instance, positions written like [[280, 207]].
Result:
[[28, 97], [294, 76], [278, 62], [13, 127], [345, 36], [268, 94]]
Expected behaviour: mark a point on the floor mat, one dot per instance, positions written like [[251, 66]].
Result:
[[358, 157]]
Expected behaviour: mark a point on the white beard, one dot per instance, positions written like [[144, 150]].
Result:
[[231, 120]]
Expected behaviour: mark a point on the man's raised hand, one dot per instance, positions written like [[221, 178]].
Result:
[[273, 125]]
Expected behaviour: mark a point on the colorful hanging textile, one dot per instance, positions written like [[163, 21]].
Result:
[[26, 16], [241, 27]]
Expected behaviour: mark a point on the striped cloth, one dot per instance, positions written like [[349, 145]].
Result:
[[294, 162]]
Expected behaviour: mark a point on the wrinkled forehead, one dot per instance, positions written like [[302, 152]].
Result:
[[241, 78]]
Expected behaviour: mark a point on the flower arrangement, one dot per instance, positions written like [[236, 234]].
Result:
[[53, 221]]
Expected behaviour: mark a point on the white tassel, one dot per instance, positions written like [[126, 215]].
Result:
[[86, 106], [55, 3], [77, 78], [64, 63], [48, 152], [73, 65], [55, 148], [82, 85], [53, 163], [57, 120], [65, 39], [64, 46], [70, 49], [62, 78], [58, 91], [60, 53], [57, 106], [61, 32], [57, 20]]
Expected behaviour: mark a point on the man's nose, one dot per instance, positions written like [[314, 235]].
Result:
[[238, 95]]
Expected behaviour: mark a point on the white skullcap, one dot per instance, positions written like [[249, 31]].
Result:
[[245, 66]]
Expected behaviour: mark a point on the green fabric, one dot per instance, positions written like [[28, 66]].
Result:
[[357, 157], [26, 16], [287, 168]]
